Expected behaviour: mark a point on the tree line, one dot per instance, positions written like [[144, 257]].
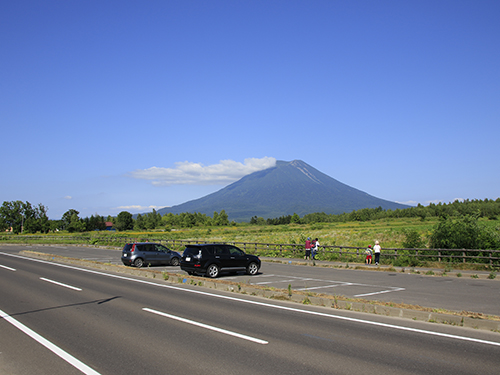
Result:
[[23, 217], [458, 225], [487, 208]]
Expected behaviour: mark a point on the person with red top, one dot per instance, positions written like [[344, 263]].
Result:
[[308, 248], [368, 253]]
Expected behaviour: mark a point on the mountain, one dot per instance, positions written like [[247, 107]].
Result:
[[285, 189]]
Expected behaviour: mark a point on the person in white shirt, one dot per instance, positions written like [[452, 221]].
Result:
[[376, 250], [315, 248]]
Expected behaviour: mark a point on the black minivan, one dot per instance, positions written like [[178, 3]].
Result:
[[212, 259]]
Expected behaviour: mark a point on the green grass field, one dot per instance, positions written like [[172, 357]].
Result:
[[390, 233]]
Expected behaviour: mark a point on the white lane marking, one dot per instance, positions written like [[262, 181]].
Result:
[[339, 283], [53, 348], [61, 284], [257, 303], [325, 286], [273, 282], [383, 291], [206, 326], [7, 268]]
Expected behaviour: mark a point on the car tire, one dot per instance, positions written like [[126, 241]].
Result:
[[138, 262], [212, 271], [174, 261], [252, 269]]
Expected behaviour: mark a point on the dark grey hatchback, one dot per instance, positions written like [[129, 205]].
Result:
[[212, 259], [144, 253]]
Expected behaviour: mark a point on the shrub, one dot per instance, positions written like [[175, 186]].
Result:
[[412, 239], [463, 233]]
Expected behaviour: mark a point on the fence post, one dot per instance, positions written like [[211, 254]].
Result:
[[463, 256]]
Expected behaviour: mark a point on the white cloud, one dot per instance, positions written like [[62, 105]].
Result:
[[68, 197], [189, 173]]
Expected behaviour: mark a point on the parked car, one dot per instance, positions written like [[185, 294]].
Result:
[[149, 253], [212, 259]]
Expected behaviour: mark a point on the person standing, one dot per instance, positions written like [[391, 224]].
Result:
[[376, 250], [308, 249], [368, 253], [315, 248]]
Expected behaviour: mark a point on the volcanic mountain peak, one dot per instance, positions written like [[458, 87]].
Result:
[[285, 189]]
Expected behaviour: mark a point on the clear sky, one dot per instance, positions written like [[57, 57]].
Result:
[[109, 106]]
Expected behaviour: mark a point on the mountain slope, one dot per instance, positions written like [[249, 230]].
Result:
[[287, 188]]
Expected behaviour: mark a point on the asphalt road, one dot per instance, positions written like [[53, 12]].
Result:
[[451, 293], [104, 323]]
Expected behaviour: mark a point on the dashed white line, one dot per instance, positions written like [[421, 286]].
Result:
[[60, 284], [53, 348], [206, 326], [7, 268]]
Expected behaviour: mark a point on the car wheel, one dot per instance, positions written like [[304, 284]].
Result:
[[252, 268], [138, 262], [212, 271], [174, 261]]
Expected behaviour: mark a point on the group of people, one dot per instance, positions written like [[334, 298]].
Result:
[[369, 252], [311, 248]]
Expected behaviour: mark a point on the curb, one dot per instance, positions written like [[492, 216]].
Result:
[[464, 319]]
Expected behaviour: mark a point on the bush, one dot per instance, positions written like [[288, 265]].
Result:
[[412, 239], [463, 233]]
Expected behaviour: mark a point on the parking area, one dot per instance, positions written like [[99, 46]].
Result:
[[317, 285]]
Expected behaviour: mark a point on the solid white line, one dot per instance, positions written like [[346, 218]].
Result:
[[322, 287], [53, 348], [61, 284], [206, 326], [7, 268], [272, 282], [382, 292], [293, 309]]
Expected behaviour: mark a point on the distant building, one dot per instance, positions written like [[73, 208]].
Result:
[[109, 225]]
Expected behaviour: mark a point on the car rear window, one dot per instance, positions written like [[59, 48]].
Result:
[[127, 247], [190, 250]]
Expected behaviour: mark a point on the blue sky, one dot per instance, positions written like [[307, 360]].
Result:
[[108, 106]]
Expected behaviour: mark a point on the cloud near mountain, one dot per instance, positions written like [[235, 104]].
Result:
[[189, 173]]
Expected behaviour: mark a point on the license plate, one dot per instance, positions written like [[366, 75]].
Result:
[[188, 259], [124, 255]]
